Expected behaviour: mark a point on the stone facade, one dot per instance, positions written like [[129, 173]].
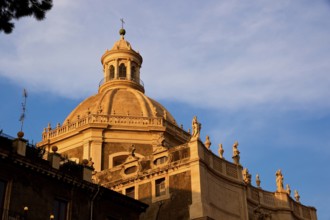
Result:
[[139, 150]]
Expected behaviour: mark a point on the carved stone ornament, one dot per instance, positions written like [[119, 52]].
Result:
[[207, 142], [258, 181], [246, 176], [236, 156], [297, 196], [221, 151], [288, 190], [261, 214]]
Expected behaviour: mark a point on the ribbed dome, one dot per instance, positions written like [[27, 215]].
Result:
[[120, 101], [122, 91]]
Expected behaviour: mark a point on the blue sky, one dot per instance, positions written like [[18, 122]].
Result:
[[256, 72]]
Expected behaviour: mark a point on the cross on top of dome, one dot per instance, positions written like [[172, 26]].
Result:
[[122, 31]]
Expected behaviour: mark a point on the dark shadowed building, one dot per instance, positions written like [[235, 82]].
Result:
[[34, 188]]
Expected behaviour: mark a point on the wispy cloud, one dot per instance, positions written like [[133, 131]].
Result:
[[227, 55]]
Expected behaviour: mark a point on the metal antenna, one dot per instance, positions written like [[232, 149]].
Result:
[[21, 119], [122, 23]]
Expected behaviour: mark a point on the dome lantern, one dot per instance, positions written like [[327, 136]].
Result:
[[121, 65]]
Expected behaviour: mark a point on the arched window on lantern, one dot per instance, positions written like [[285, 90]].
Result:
[[133, 73], [112, 72], [122, 71]]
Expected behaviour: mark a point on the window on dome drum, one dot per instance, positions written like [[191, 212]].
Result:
[[130, 192], [60, 209], [160, 187], [160, 160], [122, 71], [119, 160], [112, 72], [133, 73], [130, 170], [2, 195]]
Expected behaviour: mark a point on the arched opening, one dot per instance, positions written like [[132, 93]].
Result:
[[118, 160], [122, 71], [133, 73], [112, 72]]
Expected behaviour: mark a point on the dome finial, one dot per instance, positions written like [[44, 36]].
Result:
[[122, 31]]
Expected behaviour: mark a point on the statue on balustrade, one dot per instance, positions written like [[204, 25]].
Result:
[[279, 181], [196, 127]]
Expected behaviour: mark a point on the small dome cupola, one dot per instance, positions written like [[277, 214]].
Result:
[[121, 65]]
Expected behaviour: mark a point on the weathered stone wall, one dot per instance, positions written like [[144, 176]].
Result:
[[76, 153], [112, 148], [145, 193], [176, 207]]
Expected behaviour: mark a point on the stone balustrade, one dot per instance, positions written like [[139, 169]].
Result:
[[113, 120], [269, 200]]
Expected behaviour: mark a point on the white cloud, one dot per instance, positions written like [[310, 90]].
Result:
[[222, 54]]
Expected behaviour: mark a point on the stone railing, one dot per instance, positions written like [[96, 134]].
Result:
[[268, 199], [302, 211], [222, 166], [69, 126]]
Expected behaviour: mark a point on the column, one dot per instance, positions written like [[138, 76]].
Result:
[[116, 69], [129, 68]]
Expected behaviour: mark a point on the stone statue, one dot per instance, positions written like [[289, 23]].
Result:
[[297, 196], [221, 151], [246, 176], [279, 181], [133, 150], [258, 181], [236, 153], [288, 190], [196, 128], [207, 142], [235, 150], [90, 163]]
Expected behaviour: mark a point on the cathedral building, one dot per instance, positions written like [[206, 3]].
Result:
[[139, 150]]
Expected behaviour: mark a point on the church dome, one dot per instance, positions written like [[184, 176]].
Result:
[[120, 101], [121, 92]]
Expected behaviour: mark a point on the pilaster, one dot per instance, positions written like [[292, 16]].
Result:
[[96, 154], [197, 206]]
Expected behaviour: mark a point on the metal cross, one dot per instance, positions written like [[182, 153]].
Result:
[[122, 23]]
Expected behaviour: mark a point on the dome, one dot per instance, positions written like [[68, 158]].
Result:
[[120, 101], [121, 92]]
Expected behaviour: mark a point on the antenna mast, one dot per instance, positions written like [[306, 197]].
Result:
[[22, 117]]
